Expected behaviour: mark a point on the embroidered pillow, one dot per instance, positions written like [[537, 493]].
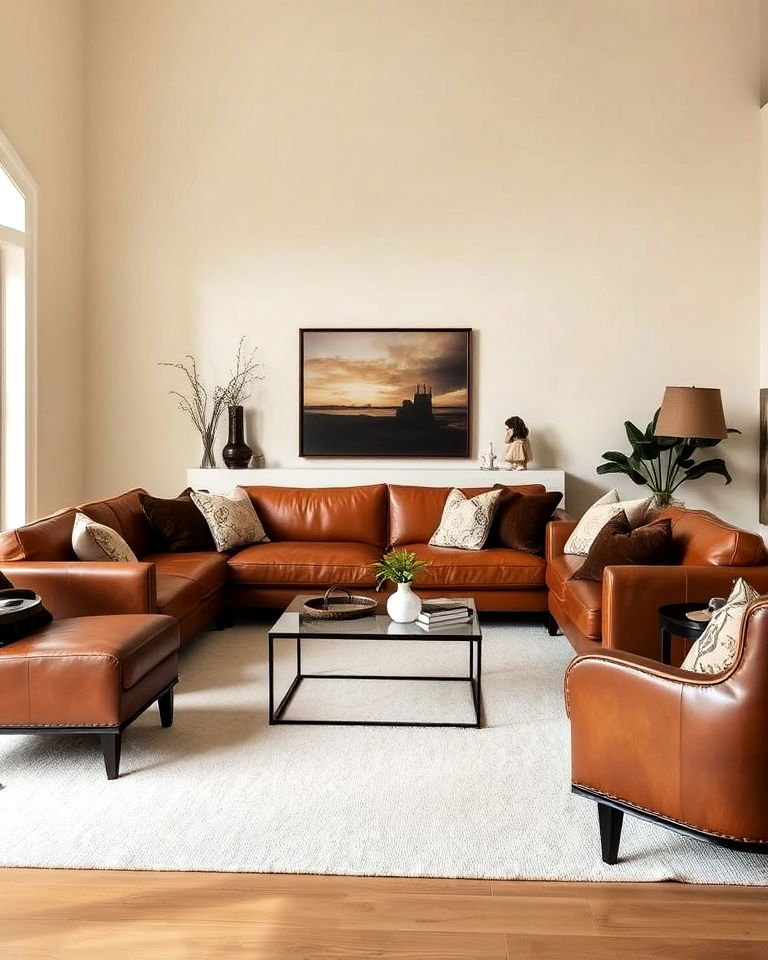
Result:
[[233, 522], [466, 523], [598, 515], [715, 649], [95, 541]]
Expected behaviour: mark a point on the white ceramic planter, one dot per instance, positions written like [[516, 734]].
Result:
[[403, 606]]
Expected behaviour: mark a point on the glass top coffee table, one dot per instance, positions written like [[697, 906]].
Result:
[[296, 626]]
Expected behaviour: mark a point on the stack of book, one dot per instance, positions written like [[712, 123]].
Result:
[[443, 613]]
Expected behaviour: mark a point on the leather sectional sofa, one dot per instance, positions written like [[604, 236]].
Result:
[[318, 537], [622, 611]]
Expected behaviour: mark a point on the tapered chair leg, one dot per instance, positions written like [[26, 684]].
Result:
[[611, 821], [110, 747], [552, 627], [165, 703]]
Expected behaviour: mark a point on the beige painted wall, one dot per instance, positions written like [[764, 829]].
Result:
[[41, 113], [578, 181]]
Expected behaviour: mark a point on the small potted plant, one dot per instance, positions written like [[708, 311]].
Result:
[[402, 568]]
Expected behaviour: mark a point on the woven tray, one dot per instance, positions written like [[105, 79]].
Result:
[[338, 608]]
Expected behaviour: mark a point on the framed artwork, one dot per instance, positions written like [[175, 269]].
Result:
[[384, 392], [763, 455]]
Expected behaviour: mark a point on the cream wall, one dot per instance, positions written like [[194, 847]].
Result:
[[578, 181], [41, 112]]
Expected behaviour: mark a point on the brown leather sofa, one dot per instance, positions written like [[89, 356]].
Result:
[[186, 586], [684, 750], [318, 537], [622, 611], [325, 536]]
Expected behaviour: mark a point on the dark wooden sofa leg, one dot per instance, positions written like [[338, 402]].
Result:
[[110, 746], [165, 703], [224, 619], [552, 627], [611, 821]]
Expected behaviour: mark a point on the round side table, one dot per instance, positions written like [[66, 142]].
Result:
[[675, 623]]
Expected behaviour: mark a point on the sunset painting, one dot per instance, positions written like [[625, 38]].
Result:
[[385, 393]]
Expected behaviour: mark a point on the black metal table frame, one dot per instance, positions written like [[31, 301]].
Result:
[[276, 714]]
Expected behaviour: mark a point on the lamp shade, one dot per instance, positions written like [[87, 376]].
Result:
[[692, 412]]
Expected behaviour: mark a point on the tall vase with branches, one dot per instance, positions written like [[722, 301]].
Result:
[[205, 406]]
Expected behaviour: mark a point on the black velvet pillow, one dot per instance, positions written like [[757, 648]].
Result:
[[618, 544], [520, 521], [179, 525]]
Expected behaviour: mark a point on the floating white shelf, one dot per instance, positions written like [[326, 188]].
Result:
[[224, 481]]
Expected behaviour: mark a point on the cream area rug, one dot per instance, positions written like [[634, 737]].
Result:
[[222, 790]]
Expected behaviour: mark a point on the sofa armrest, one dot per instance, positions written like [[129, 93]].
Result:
[[632, 596], [83, 589], [557, 535], [626, 718]]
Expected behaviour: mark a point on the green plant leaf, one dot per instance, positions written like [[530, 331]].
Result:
[[633, 475], [615, 457], [701, 469]]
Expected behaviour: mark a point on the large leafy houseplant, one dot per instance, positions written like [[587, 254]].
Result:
[[663, 463]]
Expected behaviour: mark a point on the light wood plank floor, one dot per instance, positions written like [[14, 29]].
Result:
[[106, 915]]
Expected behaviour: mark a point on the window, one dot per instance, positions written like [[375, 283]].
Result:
[[17, 356]]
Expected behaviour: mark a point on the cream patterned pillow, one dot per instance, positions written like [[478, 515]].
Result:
[[466, 523], [94, 541], [715, 649], [593, 521], [233, 522]]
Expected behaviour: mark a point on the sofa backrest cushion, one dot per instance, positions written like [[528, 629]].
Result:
[[415, 512], [702, 539], [340, 514], [125, 514], [46, 539]]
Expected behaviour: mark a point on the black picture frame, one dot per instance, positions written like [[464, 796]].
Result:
[[414, 428]]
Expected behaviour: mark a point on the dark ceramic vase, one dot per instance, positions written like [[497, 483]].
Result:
[[237, 454]]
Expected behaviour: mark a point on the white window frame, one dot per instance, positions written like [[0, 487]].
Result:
[[18, 172]]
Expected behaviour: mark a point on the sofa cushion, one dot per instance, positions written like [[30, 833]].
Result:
[[46, 539], [207, 570], [177, 596], [414, 512], [232, 521], [702, 539], [521, 522], [493, 568], [466, 521], [618, 544], [323, 514], [583, 603], [98, 542], [178, 523], [125, 514], [559, 572], [305, 563]]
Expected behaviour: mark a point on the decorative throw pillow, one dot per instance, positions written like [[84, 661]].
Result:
[[179, 524], [232, 521], [598, 515], [618, 544], [520, 521], [466, 523], [715, 649], [95, 541]]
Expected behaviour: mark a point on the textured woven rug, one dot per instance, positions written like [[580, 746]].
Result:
[[221, 790]]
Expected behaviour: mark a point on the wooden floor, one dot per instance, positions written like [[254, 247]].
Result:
[[82, 914]]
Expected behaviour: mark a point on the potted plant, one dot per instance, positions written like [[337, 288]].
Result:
[[402, 568], [663, 463]]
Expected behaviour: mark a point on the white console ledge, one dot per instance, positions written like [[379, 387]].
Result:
[[224, 481]]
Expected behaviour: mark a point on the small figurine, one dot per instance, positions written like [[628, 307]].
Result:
[[488, 459], [519, 450]]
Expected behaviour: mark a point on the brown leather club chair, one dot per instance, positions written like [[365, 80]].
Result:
[[688, 751]]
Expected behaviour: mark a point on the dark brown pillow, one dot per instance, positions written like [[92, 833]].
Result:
[[178, 523], [520, 522], [618, 544]]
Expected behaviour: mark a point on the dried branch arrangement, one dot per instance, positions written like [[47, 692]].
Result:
[[205, 407]]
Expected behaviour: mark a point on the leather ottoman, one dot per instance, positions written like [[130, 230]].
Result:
[[92, 675]]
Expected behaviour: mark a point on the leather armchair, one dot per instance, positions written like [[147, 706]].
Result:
[[684, 750]]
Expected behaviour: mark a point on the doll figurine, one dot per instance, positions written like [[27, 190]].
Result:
[[518, 451]]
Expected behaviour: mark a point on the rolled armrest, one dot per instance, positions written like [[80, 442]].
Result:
[[84, 589], [632, 596], [557, 535]]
